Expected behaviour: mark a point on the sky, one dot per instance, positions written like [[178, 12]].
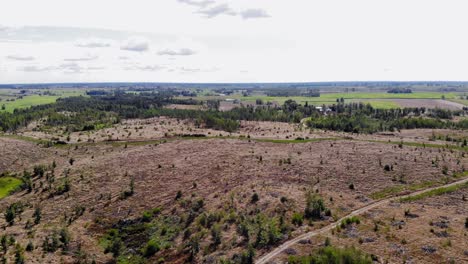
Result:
[[233, 41]]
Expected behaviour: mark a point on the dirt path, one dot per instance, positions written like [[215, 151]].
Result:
[[268, 257]]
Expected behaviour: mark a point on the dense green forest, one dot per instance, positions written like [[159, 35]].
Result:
[[88, 113]]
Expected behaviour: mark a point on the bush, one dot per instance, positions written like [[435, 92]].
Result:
[[30, 246], [350, 220], [146, 217], [255, 198], [314, 206], [37, 215], [297, 219], [151, 248], [178, 195]]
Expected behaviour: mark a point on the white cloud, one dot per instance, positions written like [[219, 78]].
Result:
[[254, 13], [20, 57], [88, 57], [138, 44], [145, 68], [71, 68], [223, 9], [34, 68], [180, 52], [93, 43], [203, 3], [356, 41], [196, 70]]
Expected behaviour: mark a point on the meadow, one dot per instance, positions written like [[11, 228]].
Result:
[[373, 98], [34, 99], [7, 185]]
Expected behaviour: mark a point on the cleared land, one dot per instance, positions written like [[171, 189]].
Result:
[[162, 158]]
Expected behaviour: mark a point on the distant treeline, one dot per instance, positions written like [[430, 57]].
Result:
[[88, 113], [292, 92], [400, 91]]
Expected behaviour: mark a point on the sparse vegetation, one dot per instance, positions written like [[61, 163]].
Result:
[[333, 255]]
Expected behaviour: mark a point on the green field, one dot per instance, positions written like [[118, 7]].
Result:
[[7, 185], [330, 98], [28, 101], [35, 99]]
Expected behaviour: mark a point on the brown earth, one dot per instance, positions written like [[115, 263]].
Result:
[[432, 232], [219, 171]]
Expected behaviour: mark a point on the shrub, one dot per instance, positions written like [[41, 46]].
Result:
[[255, 198], [65, 238], [314, 206], [12, 211], [19, 255], [151, 248], [297, 219], [37, 215], [178, 195], [216, 235], [146, 216], [350, 220], [30, 246]]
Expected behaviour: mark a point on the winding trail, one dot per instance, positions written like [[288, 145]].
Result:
[[268, 257]]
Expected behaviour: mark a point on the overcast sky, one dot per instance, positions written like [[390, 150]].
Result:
[[232, 41]]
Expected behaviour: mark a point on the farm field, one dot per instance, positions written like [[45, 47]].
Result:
[[34, 99], [28, 101], [376, 99]]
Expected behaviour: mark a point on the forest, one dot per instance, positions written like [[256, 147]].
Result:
[[88, 113]]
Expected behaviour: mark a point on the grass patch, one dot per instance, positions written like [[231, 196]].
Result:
[[460, 101], [387, 104], [23, 138], [8, 185], [333, 255], [422, 145], [390, 191], [435, 192], [28, 101]]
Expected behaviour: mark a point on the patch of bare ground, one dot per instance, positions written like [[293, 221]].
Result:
[[156, 128], [18, 154], [185, 107], [428, 103], [221, 172], [431, 230]]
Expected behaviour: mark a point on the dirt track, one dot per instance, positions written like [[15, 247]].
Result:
[[266, 258]]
